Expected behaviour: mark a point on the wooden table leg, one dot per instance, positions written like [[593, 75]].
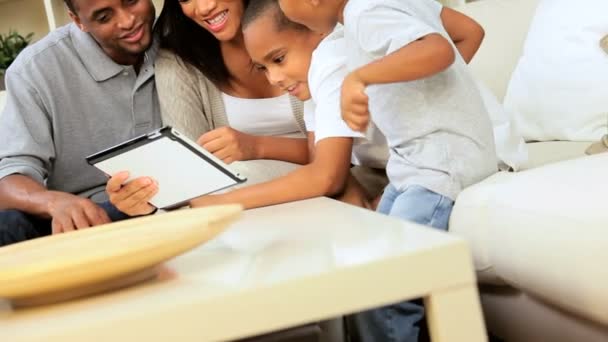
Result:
[[454, 315]]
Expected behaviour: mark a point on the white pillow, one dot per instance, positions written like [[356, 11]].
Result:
[[511, 148], [559, 89]]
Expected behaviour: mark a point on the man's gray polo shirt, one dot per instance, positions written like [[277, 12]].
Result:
[[67, 99]]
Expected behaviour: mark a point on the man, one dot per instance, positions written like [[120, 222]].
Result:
[[86, 86]]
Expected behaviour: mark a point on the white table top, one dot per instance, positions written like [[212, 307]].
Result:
[[277, 267]]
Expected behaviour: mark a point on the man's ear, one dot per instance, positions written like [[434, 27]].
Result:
[[77, 21]]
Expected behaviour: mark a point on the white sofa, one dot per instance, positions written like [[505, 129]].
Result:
[[539, 237]]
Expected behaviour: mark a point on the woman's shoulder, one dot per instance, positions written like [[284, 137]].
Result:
[[167, 60], [169, 67]]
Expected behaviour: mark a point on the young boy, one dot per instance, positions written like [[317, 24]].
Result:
[[406, 75]]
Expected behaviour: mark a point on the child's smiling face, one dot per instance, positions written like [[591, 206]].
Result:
[[284, 54]]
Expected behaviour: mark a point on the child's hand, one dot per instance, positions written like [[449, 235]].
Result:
[[354, 103]]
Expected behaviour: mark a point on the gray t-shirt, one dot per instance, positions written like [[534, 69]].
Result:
[[67, 99], [438, 130]]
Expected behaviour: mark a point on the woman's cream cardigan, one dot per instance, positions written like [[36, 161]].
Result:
[[190, 102]]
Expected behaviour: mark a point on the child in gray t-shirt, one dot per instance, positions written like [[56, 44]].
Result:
[[406, 74]]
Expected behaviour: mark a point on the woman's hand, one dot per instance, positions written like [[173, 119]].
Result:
[[230, 145], [132, 198]]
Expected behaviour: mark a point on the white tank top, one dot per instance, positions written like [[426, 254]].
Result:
[[269, 117]]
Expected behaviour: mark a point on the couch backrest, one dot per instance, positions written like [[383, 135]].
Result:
[[506, 23]]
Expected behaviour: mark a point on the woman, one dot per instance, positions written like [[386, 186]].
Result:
[[209, 90]]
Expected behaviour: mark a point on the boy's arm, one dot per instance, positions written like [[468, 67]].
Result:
[[465, 32], [422, 58], [326, 175]]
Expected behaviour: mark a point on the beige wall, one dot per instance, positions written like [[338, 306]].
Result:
[[24, 16], [31, 16], [158, 4]]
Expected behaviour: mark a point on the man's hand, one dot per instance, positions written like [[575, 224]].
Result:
[[69, 212], [229, 144], [132, 198], [354, 103]]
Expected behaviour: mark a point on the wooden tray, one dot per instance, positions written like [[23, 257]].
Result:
[[83, 262]]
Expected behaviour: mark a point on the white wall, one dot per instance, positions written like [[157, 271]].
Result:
[[25, 16]]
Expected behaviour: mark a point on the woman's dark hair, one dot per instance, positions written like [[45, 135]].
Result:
[[191, 42]]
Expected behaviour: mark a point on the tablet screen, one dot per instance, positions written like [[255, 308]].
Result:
[[183, 169]]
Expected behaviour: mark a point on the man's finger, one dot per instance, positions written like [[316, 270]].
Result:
[[66, 224], [56, 227], [95, 215], [115, 182], [79, 219]]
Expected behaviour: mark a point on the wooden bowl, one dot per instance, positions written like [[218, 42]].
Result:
[[64, 266]]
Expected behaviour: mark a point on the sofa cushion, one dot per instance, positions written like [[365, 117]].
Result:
[[543, 153], [542, 231], [558, 90]]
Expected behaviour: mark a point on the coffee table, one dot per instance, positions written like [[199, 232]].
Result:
[[277, 267]]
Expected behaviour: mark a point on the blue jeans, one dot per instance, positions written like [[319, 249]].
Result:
[[401, 322], [16, 226]]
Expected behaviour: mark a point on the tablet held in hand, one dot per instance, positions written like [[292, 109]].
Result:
[[183, 169]]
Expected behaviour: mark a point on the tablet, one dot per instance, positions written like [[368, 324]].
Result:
[[182, 168]]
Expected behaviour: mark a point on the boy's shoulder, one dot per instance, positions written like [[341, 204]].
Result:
[[328, 62], [331, 46]]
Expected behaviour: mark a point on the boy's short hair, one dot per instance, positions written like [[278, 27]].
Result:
[[70, 6], [259, 8]]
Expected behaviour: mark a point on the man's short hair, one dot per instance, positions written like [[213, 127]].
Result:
[[259, 8]]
